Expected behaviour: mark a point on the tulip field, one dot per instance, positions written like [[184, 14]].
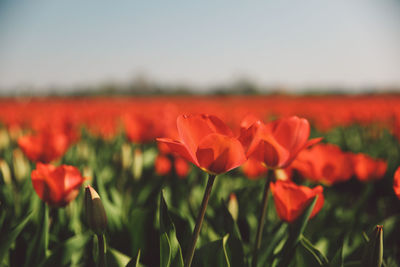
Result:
[[261, 180]]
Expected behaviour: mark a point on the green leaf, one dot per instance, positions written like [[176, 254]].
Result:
[[318, 256], [269, 245], [134, 262], [8, 236], [296, 230], [170, 249], [337, 260], [213, 254], [37, 249], [117, 258], [69, 253], [373, 255]]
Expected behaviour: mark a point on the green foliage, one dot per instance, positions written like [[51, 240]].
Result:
[[151, 218]]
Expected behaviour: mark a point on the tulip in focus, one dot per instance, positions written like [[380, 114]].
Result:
[[207, 142], [57, 186], [277, 143], [291, 199]]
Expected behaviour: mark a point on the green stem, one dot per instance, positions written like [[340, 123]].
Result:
[[199, 221], [102, 251], [261, 219]]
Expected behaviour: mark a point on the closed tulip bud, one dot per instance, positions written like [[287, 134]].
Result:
[[233, 206], [373, 256], [95, 214]]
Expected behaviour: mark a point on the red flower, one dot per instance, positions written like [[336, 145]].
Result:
[[367, 168], [162, 165], [277, 143], [254, 169], [291, 199], [45, 146], [206, 142], [56, 186], [396, 182], [324, 163], [140, 129]]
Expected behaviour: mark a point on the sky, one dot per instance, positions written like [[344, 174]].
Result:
[[351, 44]]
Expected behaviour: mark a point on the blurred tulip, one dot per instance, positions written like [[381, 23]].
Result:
[[277, 143], [367, 168], [45, 146], [396, 182], [57, 186], [292, 199], [162, 165], [254, 169], [181, 167], [5, 172], [206, 142], [325, 163], [233, 206], [141, 129], [21, 166]]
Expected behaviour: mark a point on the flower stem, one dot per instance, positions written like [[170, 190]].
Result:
[[102, 251], [199, 221], [261, 218]]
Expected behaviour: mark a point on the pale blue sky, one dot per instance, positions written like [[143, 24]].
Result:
[[294, 44]]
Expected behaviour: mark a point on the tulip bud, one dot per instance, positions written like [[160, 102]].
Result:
[[137, 167], [95, 214], [373, 256], [233, 206], [5, 172]]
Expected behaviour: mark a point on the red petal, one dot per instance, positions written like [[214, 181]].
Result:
[[193, 128], [218, 153], [179, 148]]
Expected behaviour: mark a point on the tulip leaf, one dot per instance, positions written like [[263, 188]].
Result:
[[170, 249], [318, 256], [8, 236], [268, 246], [37, 249], [117, 258], [373, 254], [135, 262], [337, 260], [213, 254], [296, 230], [69, 253]]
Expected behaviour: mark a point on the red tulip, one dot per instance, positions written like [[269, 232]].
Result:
[[140, 129], [254, 169], [324, 163], [367, 168], [396, 182], [207, 142], [45, 146], [291, 199], [277, 143], [57, 186], [162, 165]]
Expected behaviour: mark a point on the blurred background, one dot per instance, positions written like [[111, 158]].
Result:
[[87, 47]]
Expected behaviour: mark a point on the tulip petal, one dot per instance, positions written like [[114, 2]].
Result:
[[218, 153], [179, 148], [193, 128], [396, 182], [291, 199], [291, 133]]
